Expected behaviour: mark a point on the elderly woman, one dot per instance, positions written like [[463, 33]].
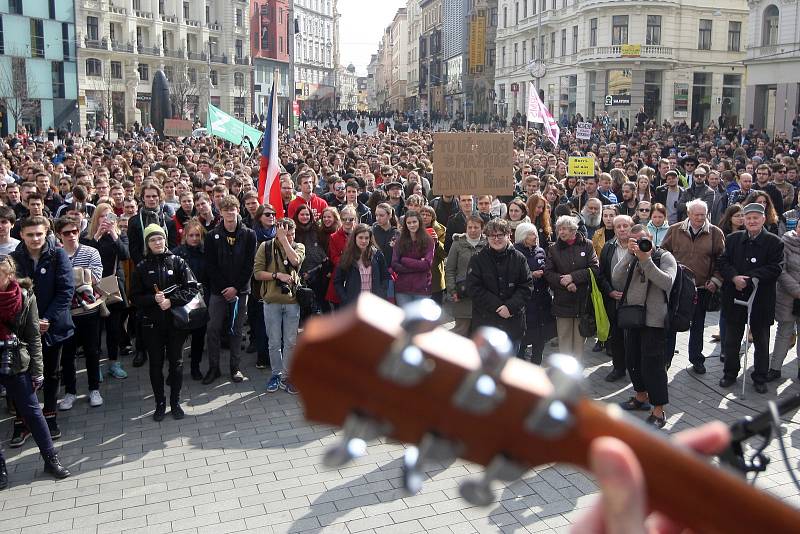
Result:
[[464, 247], [539, 320], [567, 272]]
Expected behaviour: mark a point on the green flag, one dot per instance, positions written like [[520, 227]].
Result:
[[229, 128]]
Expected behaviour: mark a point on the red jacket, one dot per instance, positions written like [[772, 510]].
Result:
[[316, 204], [335, 249]]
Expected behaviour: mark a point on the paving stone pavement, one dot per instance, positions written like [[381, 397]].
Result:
[[247, 461]]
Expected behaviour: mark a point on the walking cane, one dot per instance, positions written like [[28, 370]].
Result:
[[749, 305]]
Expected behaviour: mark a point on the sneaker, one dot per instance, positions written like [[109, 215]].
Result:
[[237, 376], [21, 435], [117, 371], [290, 389], [67, 402], [274, 384], [95, 399]]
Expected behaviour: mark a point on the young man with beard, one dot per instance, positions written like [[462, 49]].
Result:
[[668, 195], [763, 183], [629, 200], [149, 214], [592, 216]]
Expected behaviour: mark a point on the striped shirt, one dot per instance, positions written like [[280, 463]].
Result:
[[89, 258]]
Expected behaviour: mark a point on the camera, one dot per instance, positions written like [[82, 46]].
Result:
[[285, 288], [644, 244], [8, 348]]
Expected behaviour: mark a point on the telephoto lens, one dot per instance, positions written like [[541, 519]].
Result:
[[645, 245]]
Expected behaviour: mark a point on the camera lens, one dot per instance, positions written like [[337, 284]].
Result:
[[645, 245]]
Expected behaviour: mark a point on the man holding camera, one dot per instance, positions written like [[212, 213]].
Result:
[[750, 253], [276, 264], [230, 249], [642, 312], [697, 244]]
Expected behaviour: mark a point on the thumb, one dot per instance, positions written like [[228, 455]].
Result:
[[622, 483]]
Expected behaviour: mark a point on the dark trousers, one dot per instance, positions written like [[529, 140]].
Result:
[[644, 351], [198, 345], [20, 390], [52, 374], [87, 334], [696, 332], [113, 328], [220, 320], [164, 342], [258, 330], [616, 343], [536, 337], [735, 327]]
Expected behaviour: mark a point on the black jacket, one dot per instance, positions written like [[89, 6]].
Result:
[[760, 258], [196, 258], [537, 308], [136, 226], [164, 271], [232, 265], [604, 282], [495, 279], [348, 283]]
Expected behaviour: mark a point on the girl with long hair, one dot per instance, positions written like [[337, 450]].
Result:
[[412, 260], [643, 189], [539, 213], [437, 232], [336, 247], [732, 220], [760, 197], [362, 268], [315, 268], [329, 222]]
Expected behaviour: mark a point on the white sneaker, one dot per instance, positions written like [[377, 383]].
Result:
[[95, 399], [67, 402]]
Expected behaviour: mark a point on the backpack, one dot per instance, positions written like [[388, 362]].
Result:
[[682, 298]]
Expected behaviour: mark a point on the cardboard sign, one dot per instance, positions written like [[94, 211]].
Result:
[[580, 166], [473, 164], [177, 128], [583, 130]]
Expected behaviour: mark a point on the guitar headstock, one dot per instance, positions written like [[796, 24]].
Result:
[[377, 370]]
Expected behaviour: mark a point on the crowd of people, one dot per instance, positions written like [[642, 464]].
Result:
[[168, 221]]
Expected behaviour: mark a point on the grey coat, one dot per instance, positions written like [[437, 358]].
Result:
[[789, 279], [660, 284], [455, 271]]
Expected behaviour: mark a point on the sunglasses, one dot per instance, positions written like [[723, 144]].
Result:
[[644, 210], [348, 219], [269, 214], [69, 232]]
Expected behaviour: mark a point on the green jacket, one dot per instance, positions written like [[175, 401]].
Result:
[[29, 355]]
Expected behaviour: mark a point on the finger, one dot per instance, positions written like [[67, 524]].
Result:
[[707, 439], [622, 483]]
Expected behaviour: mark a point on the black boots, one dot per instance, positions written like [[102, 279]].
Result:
[[53, 466], [140, 359], [196, 373], [175, 405], [161, 409], [3, 474]]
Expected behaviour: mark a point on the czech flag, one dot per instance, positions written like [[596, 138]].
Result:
[[269, 187]]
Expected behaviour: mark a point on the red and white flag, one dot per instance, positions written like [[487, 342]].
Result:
[[538, 112], [269, 187]]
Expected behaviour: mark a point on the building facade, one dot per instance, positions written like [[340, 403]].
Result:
[[362, 85], [398, 61], [773, 65], [202, 46], [270, 27], [431, 64], [414, 25], [38, 69], [681, 61], [372, 82], [315, 54], [346, 88]]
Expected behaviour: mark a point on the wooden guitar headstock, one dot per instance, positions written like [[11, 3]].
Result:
[[378, 371]]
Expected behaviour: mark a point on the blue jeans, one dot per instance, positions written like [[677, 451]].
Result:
[[20, 390], [282, 322]]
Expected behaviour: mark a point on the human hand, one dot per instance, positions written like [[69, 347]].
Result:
[[503, 312], [165, 304], [622, 507], [37, 382], [572, 288], [229, 293], [537, 274], [454, 297], [159, 298], [711, 287], [740, 282], [44, 326], [280, 233], [616, 295], [566, 280]]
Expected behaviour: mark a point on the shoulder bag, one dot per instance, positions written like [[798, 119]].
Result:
[[193, 314], [632, 315]]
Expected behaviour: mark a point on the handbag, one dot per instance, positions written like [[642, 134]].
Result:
[[600, 315], [631, 315], [587, 325], [108, 287], [191, 315], [306, 299]]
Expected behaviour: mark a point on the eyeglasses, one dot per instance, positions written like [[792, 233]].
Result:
[[269, 214], [348, 219], [699, 174], [69, 232], [496, 236], [644, 210]]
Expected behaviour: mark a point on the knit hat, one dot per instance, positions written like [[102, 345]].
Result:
[[153, 229], [522, 232]]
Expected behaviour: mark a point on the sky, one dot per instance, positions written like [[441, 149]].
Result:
[[361, 27]]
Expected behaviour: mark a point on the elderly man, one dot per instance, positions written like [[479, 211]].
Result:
[[697, 244], [750, 253], [592, 216]]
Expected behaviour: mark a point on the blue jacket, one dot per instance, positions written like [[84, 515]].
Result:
[[348, 283], [53, 287]]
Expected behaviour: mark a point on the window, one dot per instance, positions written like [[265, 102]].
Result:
[[94, 67], [112, 32], [192, 74], [493, 17], [525, 9], [769, 32], [239, 48], [564, 42], [574, 39], [701, 97], [516, 54], [51, 9], [214, 78], [619, 29], [239, 107], [734, 36], [2, 37], [503, 57], [524, 52], [208, 14], [490, 57], [164, 40], [652, 93], [239, 18], [265, 39], [553, 45], [593, 32], [144, 71], [116, 70], [653, 30], [185, 10], [15, 7], [137, 5], [731, 96], [505, 17], [37, 38], [704, 37], [516, 13], [57, 70], [238, 79], [160, 7], [65, 41]]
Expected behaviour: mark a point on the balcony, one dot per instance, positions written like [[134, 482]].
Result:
[[117, 46], [773, 52], [605, 53], [149, 50], [193, 23], [219, 59], [214, 27], [178, 54], [117, 10], [143, 15], [196, 56], [242, 60], [169, 18], [96, 44]]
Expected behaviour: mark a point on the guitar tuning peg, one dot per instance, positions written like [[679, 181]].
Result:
[[552, 415], [501, 469], [405, 364], [358, 429], [481, 390], [431, 448]]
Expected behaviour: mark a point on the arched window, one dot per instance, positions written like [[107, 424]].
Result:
[[94, 67], [769, 32]]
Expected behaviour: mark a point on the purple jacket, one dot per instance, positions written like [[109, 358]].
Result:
[[413, 271]]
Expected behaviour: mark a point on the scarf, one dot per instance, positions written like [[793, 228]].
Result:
[[10, 305]]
